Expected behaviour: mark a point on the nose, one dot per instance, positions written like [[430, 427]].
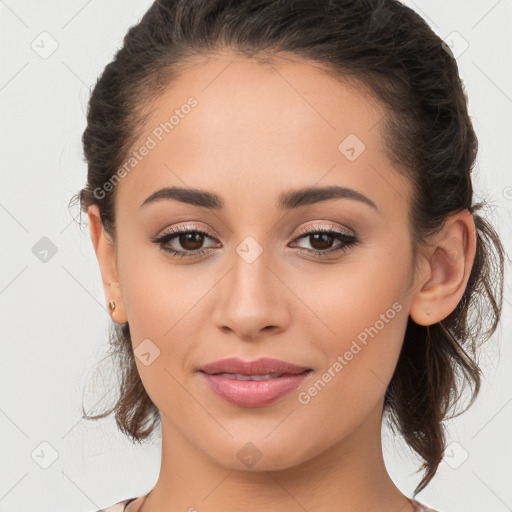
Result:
[[251, 299]]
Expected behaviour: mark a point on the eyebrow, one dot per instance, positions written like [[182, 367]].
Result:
[[287, 200]]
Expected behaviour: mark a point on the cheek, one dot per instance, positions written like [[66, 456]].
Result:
[[360, 299], [162, 309], [358, 369], [162, 303], [363, 321], [156, 292]]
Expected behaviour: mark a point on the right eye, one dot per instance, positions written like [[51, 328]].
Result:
[[189, 239]]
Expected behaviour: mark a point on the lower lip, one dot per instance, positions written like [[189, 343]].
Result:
[[254, 393]]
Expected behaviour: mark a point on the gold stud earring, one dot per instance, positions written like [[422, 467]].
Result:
[[112, 305]]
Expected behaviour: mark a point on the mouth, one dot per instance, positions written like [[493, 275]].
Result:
[[260, 383]]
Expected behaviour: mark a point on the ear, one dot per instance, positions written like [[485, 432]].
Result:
[[106, 255], [445, 270]]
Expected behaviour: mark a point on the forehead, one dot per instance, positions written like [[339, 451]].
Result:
[[249, 130]]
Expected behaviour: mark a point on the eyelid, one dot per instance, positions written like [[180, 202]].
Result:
[[184, 228], [322, 227], [303, 230]]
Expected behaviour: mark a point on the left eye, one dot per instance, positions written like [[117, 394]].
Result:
[[192, 239], [323, 239]]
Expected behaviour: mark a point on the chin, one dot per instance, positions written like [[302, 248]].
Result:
[[259, 454]]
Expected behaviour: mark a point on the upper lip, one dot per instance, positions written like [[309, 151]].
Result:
[[260, 366]]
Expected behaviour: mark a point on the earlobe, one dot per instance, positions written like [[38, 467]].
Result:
[[116, 304], [106, 255], [448, 265]]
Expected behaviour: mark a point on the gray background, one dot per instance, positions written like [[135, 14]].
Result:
[[53, 318]]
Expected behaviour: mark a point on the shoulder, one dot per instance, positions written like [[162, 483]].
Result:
[[117, 507]]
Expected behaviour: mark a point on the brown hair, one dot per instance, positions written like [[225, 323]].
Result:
[[388, 50]]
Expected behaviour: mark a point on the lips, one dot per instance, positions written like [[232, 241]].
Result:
[[253, 383], [262, 366]]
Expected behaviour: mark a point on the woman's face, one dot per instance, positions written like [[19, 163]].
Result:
[[253, 135]]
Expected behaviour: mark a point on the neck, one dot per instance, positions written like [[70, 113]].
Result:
[[348, 476]]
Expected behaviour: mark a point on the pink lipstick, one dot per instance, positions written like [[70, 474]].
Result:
[[253, 383]]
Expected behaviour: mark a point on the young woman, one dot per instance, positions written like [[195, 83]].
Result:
[[279, 196]]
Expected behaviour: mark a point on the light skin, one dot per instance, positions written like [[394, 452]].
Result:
[[259, 131]]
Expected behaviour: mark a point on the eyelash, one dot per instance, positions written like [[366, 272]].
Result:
[[348, 241]]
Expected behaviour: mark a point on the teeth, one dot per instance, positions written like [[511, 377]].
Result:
[[239, 376]]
